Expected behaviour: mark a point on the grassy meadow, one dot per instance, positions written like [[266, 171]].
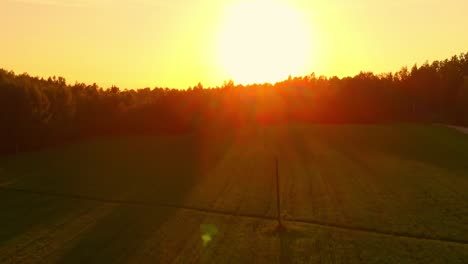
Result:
[[349, 194]]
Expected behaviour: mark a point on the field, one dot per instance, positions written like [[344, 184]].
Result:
[[349, 194]]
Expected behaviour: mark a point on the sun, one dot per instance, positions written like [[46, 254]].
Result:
[[263, 41]]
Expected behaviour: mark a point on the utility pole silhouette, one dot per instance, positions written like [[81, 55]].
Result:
[[280, 226]]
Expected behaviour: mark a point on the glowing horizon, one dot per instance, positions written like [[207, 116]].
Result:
[[143, 43]]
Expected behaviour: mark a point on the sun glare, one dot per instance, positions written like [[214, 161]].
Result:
[[263, 41]]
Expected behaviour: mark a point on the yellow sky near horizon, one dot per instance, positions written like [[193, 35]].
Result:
[[176, 43]]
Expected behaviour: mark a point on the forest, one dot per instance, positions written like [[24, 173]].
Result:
[[37, 112]]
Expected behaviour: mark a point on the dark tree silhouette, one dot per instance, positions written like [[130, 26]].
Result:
[[37, 113]]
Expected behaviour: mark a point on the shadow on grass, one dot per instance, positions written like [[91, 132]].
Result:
[[147, 169], [163, 176], [289, 237], [23, 211], [435, 145], [117, 235]]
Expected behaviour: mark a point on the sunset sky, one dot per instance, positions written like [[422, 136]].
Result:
[[178, 43]]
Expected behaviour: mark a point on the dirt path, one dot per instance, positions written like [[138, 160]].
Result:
[[459, 128], [236, 214]]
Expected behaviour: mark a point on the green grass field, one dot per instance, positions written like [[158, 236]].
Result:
[[349, 194]]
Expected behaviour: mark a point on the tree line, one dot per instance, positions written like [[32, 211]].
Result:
[[37, 112]]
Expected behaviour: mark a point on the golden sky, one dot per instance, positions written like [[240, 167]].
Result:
[[178, 43]]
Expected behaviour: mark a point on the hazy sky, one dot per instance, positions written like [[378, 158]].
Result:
[[174, 43]]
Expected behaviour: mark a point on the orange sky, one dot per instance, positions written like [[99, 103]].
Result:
[[177, 43]]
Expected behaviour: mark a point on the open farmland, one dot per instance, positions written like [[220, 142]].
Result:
[[349, 194]]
